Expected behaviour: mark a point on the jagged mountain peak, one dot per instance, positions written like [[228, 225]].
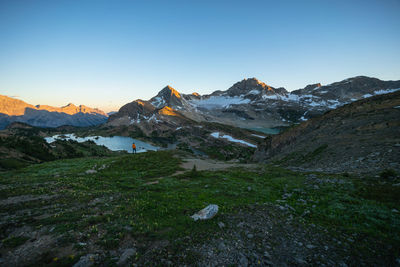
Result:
[[169, 91], [250, 83], [313, 86], [253, 86], [168, 96]]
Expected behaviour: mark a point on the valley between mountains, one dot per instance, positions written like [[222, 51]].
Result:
[[302, 178]]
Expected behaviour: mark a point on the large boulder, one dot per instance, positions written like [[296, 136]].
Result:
[[207, 213]]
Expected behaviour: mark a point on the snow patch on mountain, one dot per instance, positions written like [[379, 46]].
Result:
[[382, 92], [219, 102], [158, 102], [259, 136], [304, 118], [253, 92], [367, 95], [231, 139]]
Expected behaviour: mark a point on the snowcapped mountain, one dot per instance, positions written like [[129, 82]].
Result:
[[168, 96], [14, 110], [249, 103], [163, 110]]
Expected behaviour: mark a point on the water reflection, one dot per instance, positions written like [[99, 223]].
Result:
[[114, 143]]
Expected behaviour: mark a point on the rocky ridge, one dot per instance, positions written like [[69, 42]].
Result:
[[14, 110]]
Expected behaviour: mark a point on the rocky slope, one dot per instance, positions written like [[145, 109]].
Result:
[[362, 136], [250, 103], [14, 110]]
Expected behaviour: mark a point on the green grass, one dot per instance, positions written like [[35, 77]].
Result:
[[299, 157], [14, 241], [137, 195], [10, 164]]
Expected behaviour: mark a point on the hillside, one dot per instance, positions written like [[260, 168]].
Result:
[[359, 137], [22, 145], [15, 110], [135, 210]]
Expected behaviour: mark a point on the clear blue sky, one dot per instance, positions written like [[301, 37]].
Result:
[[107, 53]]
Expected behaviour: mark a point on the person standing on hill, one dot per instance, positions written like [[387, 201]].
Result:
[[133, 148]]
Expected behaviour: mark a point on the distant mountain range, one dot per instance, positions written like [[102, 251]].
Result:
[[15, 110], [249, 103]]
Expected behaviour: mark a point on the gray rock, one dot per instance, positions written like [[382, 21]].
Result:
[[267, 255], [300, 261], [123, 260], [103, 167], [281, 207], [286, 195], [268, 262], [250, 236], [289, 207], [86, 261], [221, 225], [243, 262], [207, 213], [90, 171]]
